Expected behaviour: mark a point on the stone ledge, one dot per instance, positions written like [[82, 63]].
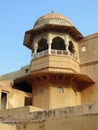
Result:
[[33, 114]]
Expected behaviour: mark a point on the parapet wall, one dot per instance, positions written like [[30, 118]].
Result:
[[70, 118], [64, 112], [82, 122]]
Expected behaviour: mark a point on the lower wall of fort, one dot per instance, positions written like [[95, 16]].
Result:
[[83, 122], [5, 126], [84, 117]]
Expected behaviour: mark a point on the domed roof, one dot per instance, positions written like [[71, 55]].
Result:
[[52, 18]]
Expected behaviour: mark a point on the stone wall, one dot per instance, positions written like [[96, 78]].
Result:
[[15, 98], [83, 117], [5, 126], [88, 50], [83, 122], [71, 118], [55, 63]]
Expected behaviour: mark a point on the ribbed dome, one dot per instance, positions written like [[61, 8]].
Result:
[[52, 18]]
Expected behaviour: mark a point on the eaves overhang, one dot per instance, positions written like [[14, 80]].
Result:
[[81, 80], [71, 30]]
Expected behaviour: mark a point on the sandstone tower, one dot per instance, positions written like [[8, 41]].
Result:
[[58, 89], [54, 71]]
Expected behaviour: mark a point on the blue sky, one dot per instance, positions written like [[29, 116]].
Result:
[[18, 16]]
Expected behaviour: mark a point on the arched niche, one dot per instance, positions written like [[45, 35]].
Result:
[[58, 44], [71, 47], [42, 45]]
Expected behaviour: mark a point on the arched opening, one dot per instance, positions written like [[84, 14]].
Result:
[[71, 47], [58, 44], [42, 45]]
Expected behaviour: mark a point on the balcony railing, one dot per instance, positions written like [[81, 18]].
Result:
[[53, 52]]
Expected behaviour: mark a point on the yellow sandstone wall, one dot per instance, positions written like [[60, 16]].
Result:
[[83, 117], [41, 95], [16, 98], [55, 63], [72, 118], [85, 122], [5, 126], [88, 49], [55, 95], [63, 98]]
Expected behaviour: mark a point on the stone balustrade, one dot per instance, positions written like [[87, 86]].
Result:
[[54, 52]]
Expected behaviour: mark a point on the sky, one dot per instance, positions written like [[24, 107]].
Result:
[[18, 16]]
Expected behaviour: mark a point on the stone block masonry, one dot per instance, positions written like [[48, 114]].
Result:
[[83, 117]]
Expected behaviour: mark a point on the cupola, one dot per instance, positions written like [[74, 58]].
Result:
[[51, 22], [52, 18]]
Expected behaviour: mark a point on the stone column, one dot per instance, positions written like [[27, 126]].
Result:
[[32, 48], [67, 43], [35, 48], [49, 41], [67, 47], [49, 48]]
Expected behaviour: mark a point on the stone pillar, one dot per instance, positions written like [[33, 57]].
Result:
[[67, 47], [35, 50], [32, 49], [49, 48], [35, 47], [67, 43], [49, 41]]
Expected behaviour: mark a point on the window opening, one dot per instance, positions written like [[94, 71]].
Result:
[[4, 96], [42, 45], [60, 89], [58, 44], [83, 48], [28, 101], [26, 70], [41, 91], [71, 47]]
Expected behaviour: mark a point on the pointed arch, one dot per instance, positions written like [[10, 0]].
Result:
[[58, 44], [71, 47], [42, 45]]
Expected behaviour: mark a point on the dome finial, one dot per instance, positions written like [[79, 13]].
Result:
[[52, 11]]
